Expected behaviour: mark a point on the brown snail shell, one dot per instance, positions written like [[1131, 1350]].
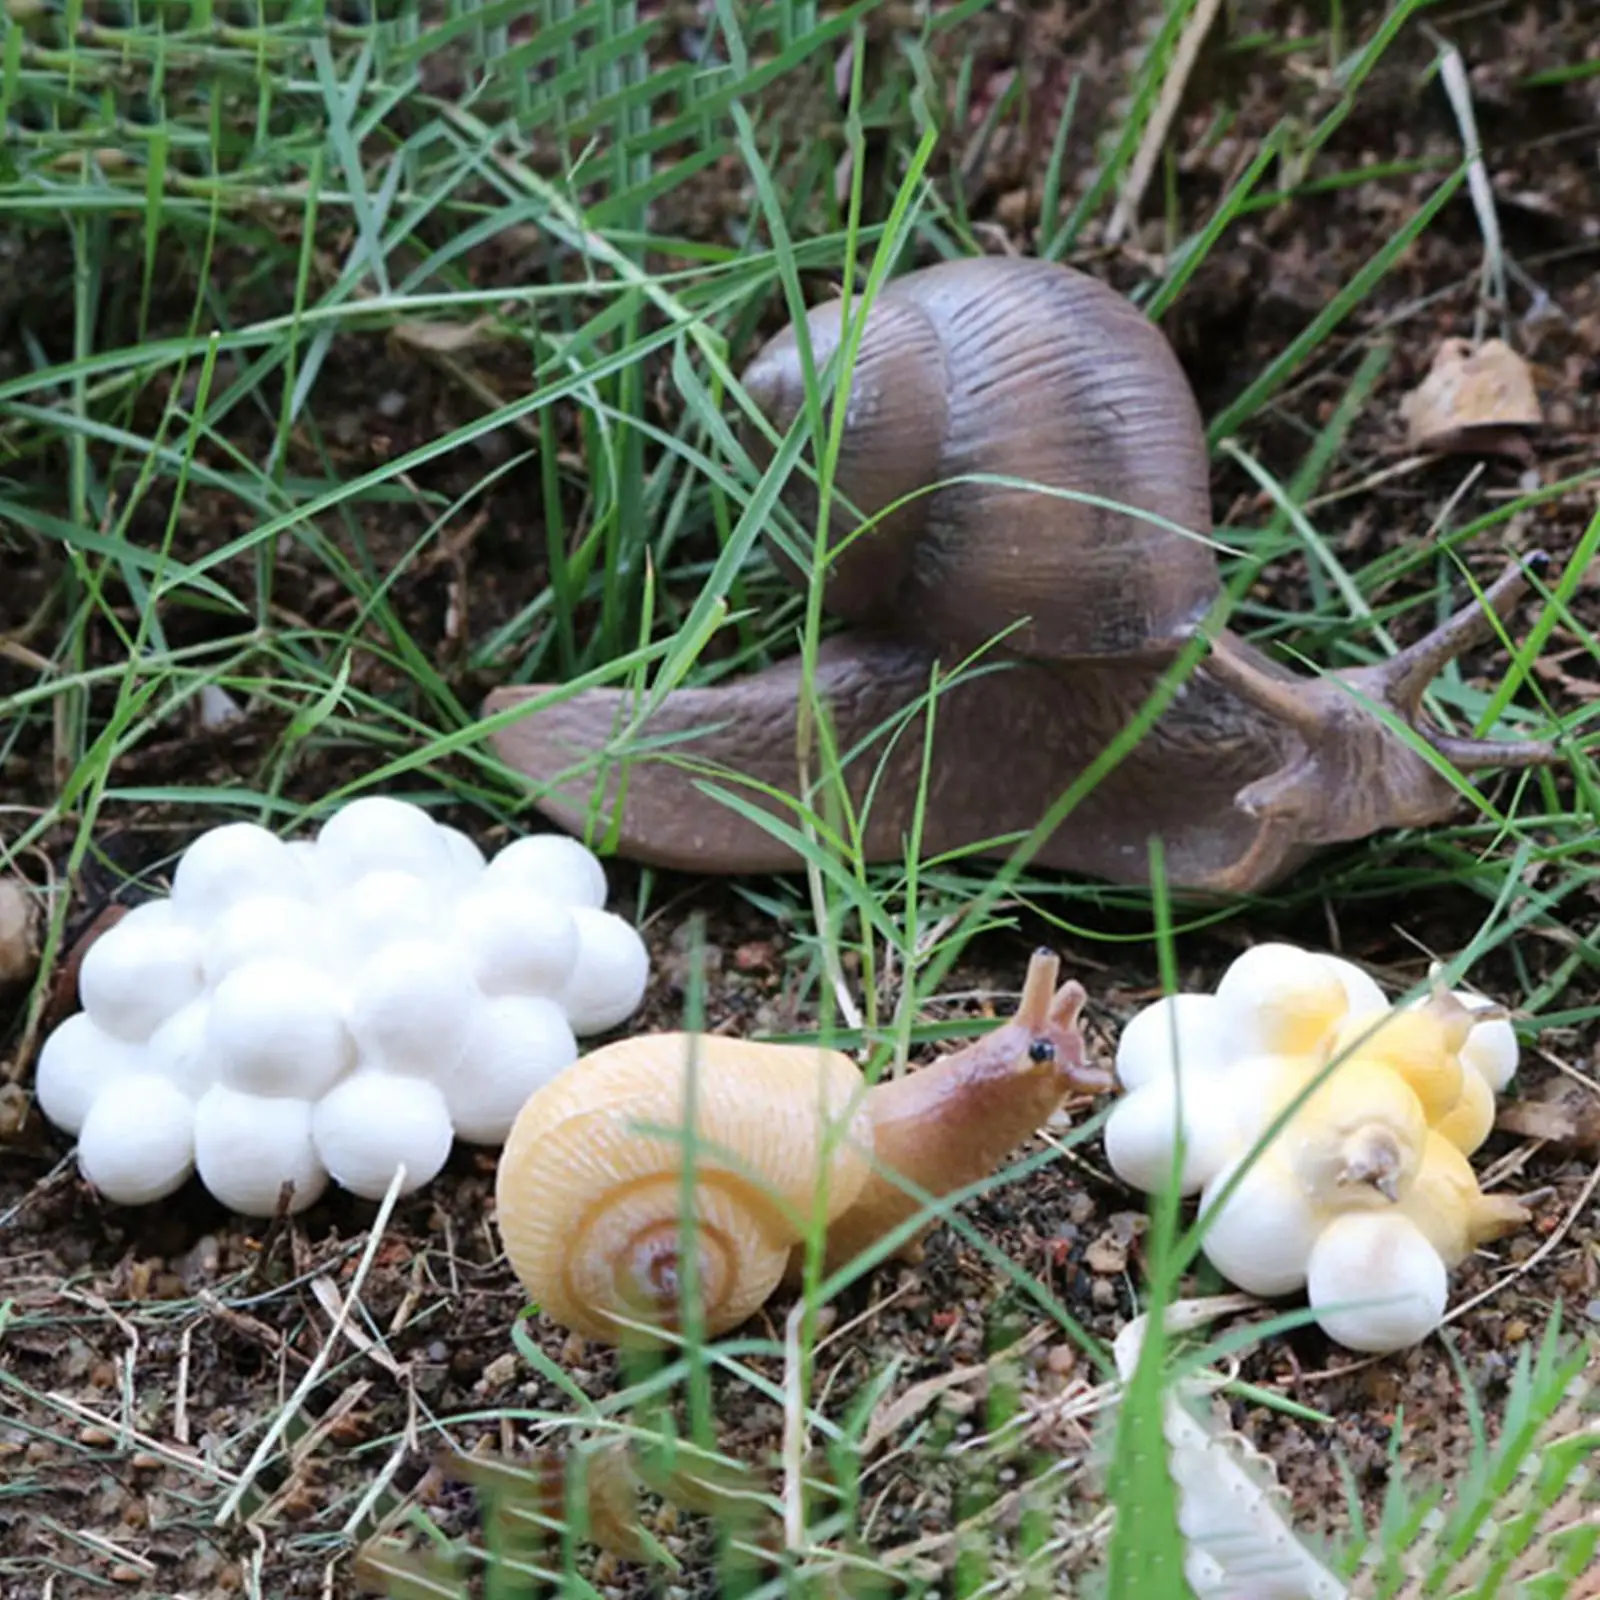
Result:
[[1010, 368]]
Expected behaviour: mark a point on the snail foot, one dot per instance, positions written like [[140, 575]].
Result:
[[646, 788]]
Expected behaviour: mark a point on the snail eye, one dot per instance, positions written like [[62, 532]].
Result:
[[1041, 1050]]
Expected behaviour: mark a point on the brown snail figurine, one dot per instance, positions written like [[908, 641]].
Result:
[[589, 1195], [1040, 373]]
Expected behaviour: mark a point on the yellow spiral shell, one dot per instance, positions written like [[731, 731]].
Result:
[[590, 1186], [1471, 1119], [1418, 1046]]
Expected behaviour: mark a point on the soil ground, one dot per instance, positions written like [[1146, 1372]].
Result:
[[145, 1348]]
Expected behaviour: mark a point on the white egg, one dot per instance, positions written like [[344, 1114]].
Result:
[[554, 865], [468, 858], [137, 1143], [378, 833], [1260, 1086], [277, 1027], [1375, 1282], [516, 942], [1142, 1129], [246, 1147], [134, 977], [1278, 997], [310, 884], [151, 914], [1360, 988], [611, 975], [381, 907], [230, 863], [1491, 1049], [1145, 1050], [180, 1051], [1261, 1239], [411, 1007], [330, 1009], [266, 925], [518, 1044], [77, 1062], [372, 1124]]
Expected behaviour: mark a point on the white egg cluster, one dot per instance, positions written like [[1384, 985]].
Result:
[[1365, 1193], [333, 1008]]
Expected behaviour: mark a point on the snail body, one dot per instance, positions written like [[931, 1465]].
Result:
[[787, 1138], [1449, 1207], [1033, 374]]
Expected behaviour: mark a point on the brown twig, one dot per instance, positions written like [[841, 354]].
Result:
[[1572, 1126], [1156, 130]]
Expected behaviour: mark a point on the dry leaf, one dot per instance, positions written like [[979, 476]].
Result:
[[1478, 400], [892, 1414], [1561, 1121], [533, 1495], [15, 1103], [444, 338]]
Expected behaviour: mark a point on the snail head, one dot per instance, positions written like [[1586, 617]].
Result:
[[1046, 1029], [1350, 775], [1373, 1162]]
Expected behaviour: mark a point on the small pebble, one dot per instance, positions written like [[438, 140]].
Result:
[[1061, 1359], [756, 956], [499, 1372], [1107, 1255], [19, 926]]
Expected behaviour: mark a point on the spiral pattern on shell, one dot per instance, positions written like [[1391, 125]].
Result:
[[1049, 379], [591, 1181]]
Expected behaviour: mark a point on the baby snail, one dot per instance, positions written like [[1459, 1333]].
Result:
[[592, 1179], [1043, 376]]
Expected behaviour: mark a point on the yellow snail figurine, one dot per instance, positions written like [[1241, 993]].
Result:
[[591, 1180]]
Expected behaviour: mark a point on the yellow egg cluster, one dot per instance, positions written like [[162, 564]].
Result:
[[1363, 1195]]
